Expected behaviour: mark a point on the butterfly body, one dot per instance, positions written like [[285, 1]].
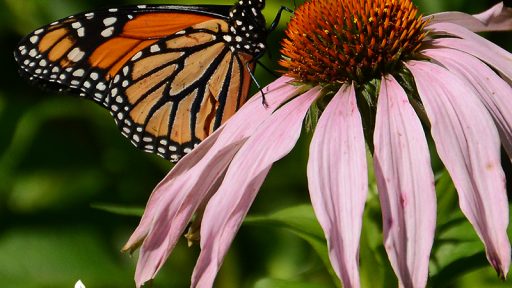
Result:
[[169, 75]]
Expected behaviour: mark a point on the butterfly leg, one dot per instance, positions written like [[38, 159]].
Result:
[[248, 67], [272, 27], [274, 23]]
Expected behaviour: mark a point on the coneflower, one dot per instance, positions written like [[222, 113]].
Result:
[[379, 72]]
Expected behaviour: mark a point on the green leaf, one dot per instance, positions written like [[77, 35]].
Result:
[[446, 200], [278, 283], [458, 268], [301, 221], [375, 270], [119, 209]]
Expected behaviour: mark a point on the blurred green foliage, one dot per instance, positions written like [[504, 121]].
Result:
[[60, 156]]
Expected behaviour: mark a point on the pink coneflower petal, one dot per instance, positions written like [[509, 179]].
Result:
[[493, 91], [155, 200], [475, 45], [497, 18], [338, 181], [178, 196], [468, 144], [406, 185], [227, 208], [235, 133]]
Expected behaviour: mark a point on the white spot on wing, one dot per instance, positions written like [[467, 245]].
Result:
[[80, 31], [79, 73], [101, 86], [76, 54], [154, 48], [137, 56], [109, 21], [107, 32]]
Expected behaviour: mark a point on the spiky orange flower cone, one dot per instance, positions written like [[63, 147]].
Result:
[[352, 40]]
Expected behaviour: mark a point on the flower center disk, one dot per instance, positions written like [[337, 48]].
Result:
[[350, 40]]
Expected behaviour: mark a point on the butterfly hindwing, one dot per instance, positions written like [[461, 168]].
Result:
[[174, 93]]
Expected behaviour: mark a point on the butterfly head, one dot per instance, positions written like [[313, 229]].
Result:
[[260, 4], [248, 30]]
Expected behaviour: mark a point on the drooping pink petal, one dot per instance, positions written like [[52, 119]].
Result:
[[475, 45], [338, 181], [493, 91], [497, 18], [406, 185], [155, 200], [468, 144], [228, 207], [177, 197], [239, 129]]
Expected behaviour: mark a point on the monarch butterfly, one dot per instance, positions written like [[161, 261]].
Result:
[[169, 75]]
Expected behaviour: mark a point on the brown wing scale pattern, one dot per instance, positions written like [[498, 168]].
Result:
[[175, 92]]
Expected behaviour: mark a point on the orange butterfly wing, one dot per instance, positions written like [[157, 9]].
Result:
[[81, 53], [166, 73], [173, 94]]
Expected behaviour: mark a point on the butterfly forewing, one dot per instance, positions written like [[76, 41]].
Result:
[[81, 53]]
